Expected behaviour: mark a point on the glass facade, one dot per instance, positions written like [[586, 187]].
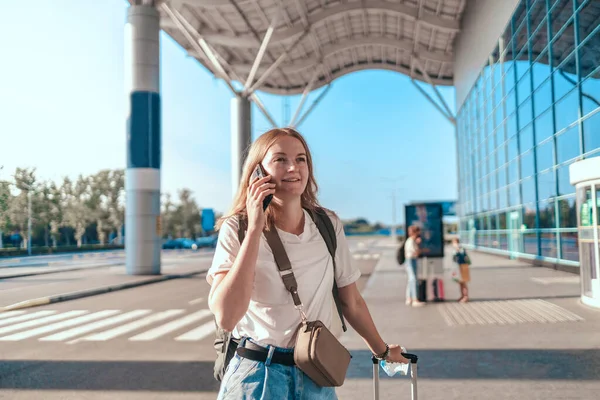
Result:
[[534, 109]]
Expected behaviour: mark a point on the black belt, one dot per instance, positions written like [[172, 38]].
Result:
[[255, 352]]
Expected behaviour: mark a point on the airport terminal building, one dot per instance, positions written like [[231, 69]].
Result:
[[526, 110], [527, 80]]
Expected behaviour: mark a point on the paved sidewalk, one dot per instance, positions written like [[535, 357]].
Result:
[[524, 335]]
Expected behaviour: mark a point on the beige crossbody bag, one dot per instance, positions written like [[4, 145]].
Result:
[[317, 352]]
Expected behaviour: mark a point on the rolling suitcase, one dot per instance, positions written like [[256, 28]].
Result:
[[422, 290], [413, 376], [438, 289]]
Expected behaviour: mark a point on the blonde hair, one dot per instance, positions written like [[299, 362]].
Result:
[[256, 154]]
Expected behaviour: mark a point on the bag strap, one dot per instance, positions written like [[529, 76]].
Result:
[[327, 231], [284, 266]]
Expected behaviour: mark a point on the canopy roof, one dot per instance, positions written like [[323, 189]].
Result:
[[305, 44]]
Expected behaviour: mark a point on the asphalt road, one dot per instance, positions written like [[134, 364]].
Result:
[[15, 290], [150, 342]]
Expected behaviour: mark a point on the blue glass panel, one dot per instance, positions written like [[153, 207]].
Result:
[[526, 138], [545, 156], [525, 113], [546, 185], [591, 132], [568, 144], [528, 188], [542, 98], [564, 187], [544, 127], [590, 90], [527, 165], [567, 110]]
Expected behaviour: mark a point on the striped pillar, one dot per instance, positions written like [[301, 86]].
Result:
[[142, 178], [241, 137]]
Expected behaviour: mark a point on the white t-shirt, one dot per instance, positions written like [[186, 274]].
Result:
[[410, 249], [271, 317]]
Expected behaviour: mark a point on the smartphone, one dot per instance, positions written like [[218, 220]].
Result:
[[260, 173]]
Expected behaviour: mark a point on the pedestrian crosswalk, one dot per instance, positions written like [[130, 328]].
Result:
[[76, 326]]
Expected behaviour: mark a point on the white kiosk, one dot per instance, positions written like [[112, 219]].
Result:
[[585, 176]]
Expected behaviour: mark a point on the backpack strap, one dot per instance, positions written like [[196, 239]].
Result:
[[327, 231]]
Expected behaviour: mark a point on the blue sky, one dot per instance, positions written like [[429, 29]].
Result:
[[63, 112]]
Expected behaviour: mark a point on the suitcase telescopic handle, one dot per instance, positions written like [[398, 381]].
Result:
[[412, 357]]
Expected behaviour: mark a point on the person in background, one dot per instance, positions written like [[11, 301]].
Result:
[[462, 259], [411, 254]]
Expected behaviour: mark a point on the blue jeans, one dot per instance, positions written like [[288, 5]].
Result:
[[248, 379], [411, 285]]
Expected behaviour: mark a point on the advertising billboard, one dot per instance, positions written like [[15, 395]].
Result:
[[208, 219], [449, 208], [427, 216]]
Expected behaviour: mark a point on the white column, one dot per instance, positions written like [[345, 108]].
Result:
[[241, 137], [142, 177]]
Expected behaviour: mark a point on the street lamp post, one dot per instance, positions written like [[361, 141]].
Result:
[[29, 221], [393, 232], [394, 182]]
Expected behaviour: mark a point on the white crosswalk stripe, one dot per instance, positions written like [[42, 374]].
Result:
[[59, 325], [172, 326], [71, 333], [79, 326], [199, 333], [26, 317], [40, 321], [118, 331], [10, 314]]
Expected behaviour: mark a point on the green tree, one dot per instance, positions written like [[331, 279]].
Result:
[[43, 209], [116, 201], [187, 215], [25, 182], [5, 200], [56, 212], [168, 216], [98, 202], [77, 213]]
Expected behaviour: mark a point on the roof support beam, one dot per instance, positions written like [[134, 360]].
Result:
[[200, 46], [273, 66], [204, 48], [262, 108], [307, 90], [436, 105], [261, 50], [437, 92], [313, 105]]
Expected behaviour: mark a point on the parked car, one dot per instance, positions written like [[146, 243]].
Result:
[[207, 241], [180, 243]]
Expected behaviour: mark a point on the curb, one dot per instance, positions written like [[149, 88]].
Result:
[[376, 269], [41, 301], [26, 274]]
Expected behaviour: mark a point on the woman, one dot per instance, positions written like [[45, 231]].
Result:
[[248, 296], [462, 259], [411, 254]]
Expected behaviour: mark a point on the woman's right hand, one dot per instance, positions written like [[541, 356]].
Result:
[[257, 191]]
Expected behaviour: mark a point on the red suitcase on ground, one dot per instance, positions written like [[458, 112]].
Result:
[[413, 376], [438, 289]]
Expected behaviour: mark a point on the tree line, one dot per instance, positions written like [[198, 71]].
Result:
[[87, 210]]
